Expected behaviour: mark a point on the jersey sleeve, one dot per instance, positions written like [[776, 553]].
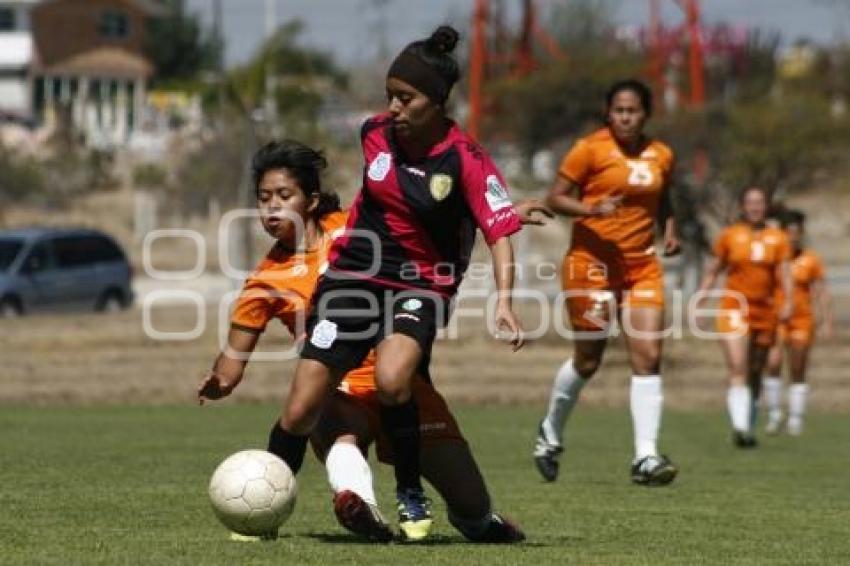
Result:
[[486, 193], [256, 305], [576, 164]]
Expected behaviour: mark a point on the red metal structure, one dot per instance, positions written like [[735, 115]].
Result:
[[486, 58], [663, 42]]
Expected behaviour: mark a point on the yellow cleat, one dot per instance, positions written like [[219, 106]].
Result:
[[413, 531], [236, 537], [414, 514]]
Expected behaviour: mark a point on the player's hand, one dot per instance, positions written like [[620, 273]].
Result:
[[508, 327], [786, 311], [526, 210], [215, 386], [606, 206], [672, 246]]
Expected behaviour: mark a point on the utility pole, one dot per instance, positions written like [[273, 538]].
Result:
[[477, 62], [269, 102], [218, 18]]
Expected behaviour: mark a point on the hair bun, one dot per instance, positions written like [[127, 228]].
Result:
[[444, 39]]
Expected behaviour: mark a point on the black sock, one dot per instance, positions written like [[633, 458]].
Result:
[[401, 425], [288, 447]]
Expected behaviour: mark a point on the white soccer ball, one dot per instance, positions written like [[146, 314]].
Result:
[[253, 493]]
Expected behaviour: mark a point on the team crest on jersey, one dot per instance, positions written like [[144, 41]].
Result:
[[324, 335], [496, 195], [380, 166], [441, 186]]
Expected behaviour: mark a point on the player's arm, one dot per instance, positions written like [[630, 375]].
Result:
[[713, 269], [503, 270], [229, 366], [667, 220], [564, 198], [528, 209], [787, 308], [821, 296]]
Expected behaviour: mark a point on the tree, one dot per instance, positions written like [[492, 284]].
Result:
[[178, 46]]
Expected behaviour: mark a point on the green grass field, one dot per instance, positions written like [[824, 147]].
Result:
[[128, 485]]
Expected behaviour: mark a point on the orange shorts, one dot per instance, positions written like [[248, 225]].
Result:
[[799, 331], [436, 422], [596, 287], [758, 320]]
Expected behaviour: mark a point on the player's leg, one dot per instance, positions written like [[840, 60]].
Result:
[[570, 379], [591, 307], [738, 397], [451, 468], [310, 388], [756, 362], [798, 391], [643, 331], [409, 335], [773, 385], [341, 440]]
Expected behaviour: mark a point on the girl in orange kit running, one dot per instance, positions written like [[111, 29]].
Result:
[[615, 182], [796, 336], [754, 257]]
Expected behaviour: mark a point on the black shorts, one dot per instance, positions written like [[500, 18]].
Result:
[[350, 317]]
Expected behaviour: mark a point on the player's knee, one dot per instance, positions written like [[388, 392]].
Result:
[[393, 385], [393, 392], [299, 418], [648, 360], [586, 367]]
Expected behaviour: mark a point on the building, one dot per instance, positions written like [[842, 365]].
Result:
[[89, 69], [16, 57]]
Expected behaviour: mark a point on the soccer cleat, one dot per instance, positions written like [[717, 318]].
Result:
[[774, 424], [496, 530], [653, 471], [546, 454], [360, 517], [414, 514], [236, 537], [744, 440], [795, 426]]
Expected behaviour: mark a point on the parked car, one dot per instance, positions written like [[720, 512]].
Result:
[[49, 269]]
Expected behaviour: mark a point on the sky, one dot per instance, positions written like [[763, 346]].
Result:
[[353, 30]]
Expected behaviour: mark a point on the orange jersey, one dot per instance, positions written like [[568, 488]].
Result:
[[806, 269], [281, 287], [753, 258], [598, 165]]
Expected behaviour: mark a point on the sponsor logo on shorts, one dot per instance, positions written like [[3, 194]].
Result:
[[324, 334], [412, 305], [380, 166]]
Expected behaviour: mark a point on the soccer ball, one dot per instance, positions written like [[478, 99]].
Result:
[[253, 493]]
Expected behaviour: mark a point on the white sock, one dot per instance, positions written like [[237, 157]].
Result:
[[348, 470], [797, 394], [565, 392], [773, 397], [646, 401], [738, 402]]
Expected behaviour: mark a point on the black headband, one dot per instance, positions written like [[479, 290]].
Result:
[[411, 69]]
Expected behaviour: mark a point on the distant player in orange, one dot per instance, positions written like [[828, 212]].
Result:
[[754, 257], [289, 195], [616, 183], [797, 334]]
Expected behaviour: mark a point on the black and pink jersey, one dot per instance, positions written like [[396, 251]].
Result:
[[423, 214]]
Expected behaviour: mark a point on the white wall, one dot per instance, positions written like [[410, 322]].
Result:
[[14, 95]]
